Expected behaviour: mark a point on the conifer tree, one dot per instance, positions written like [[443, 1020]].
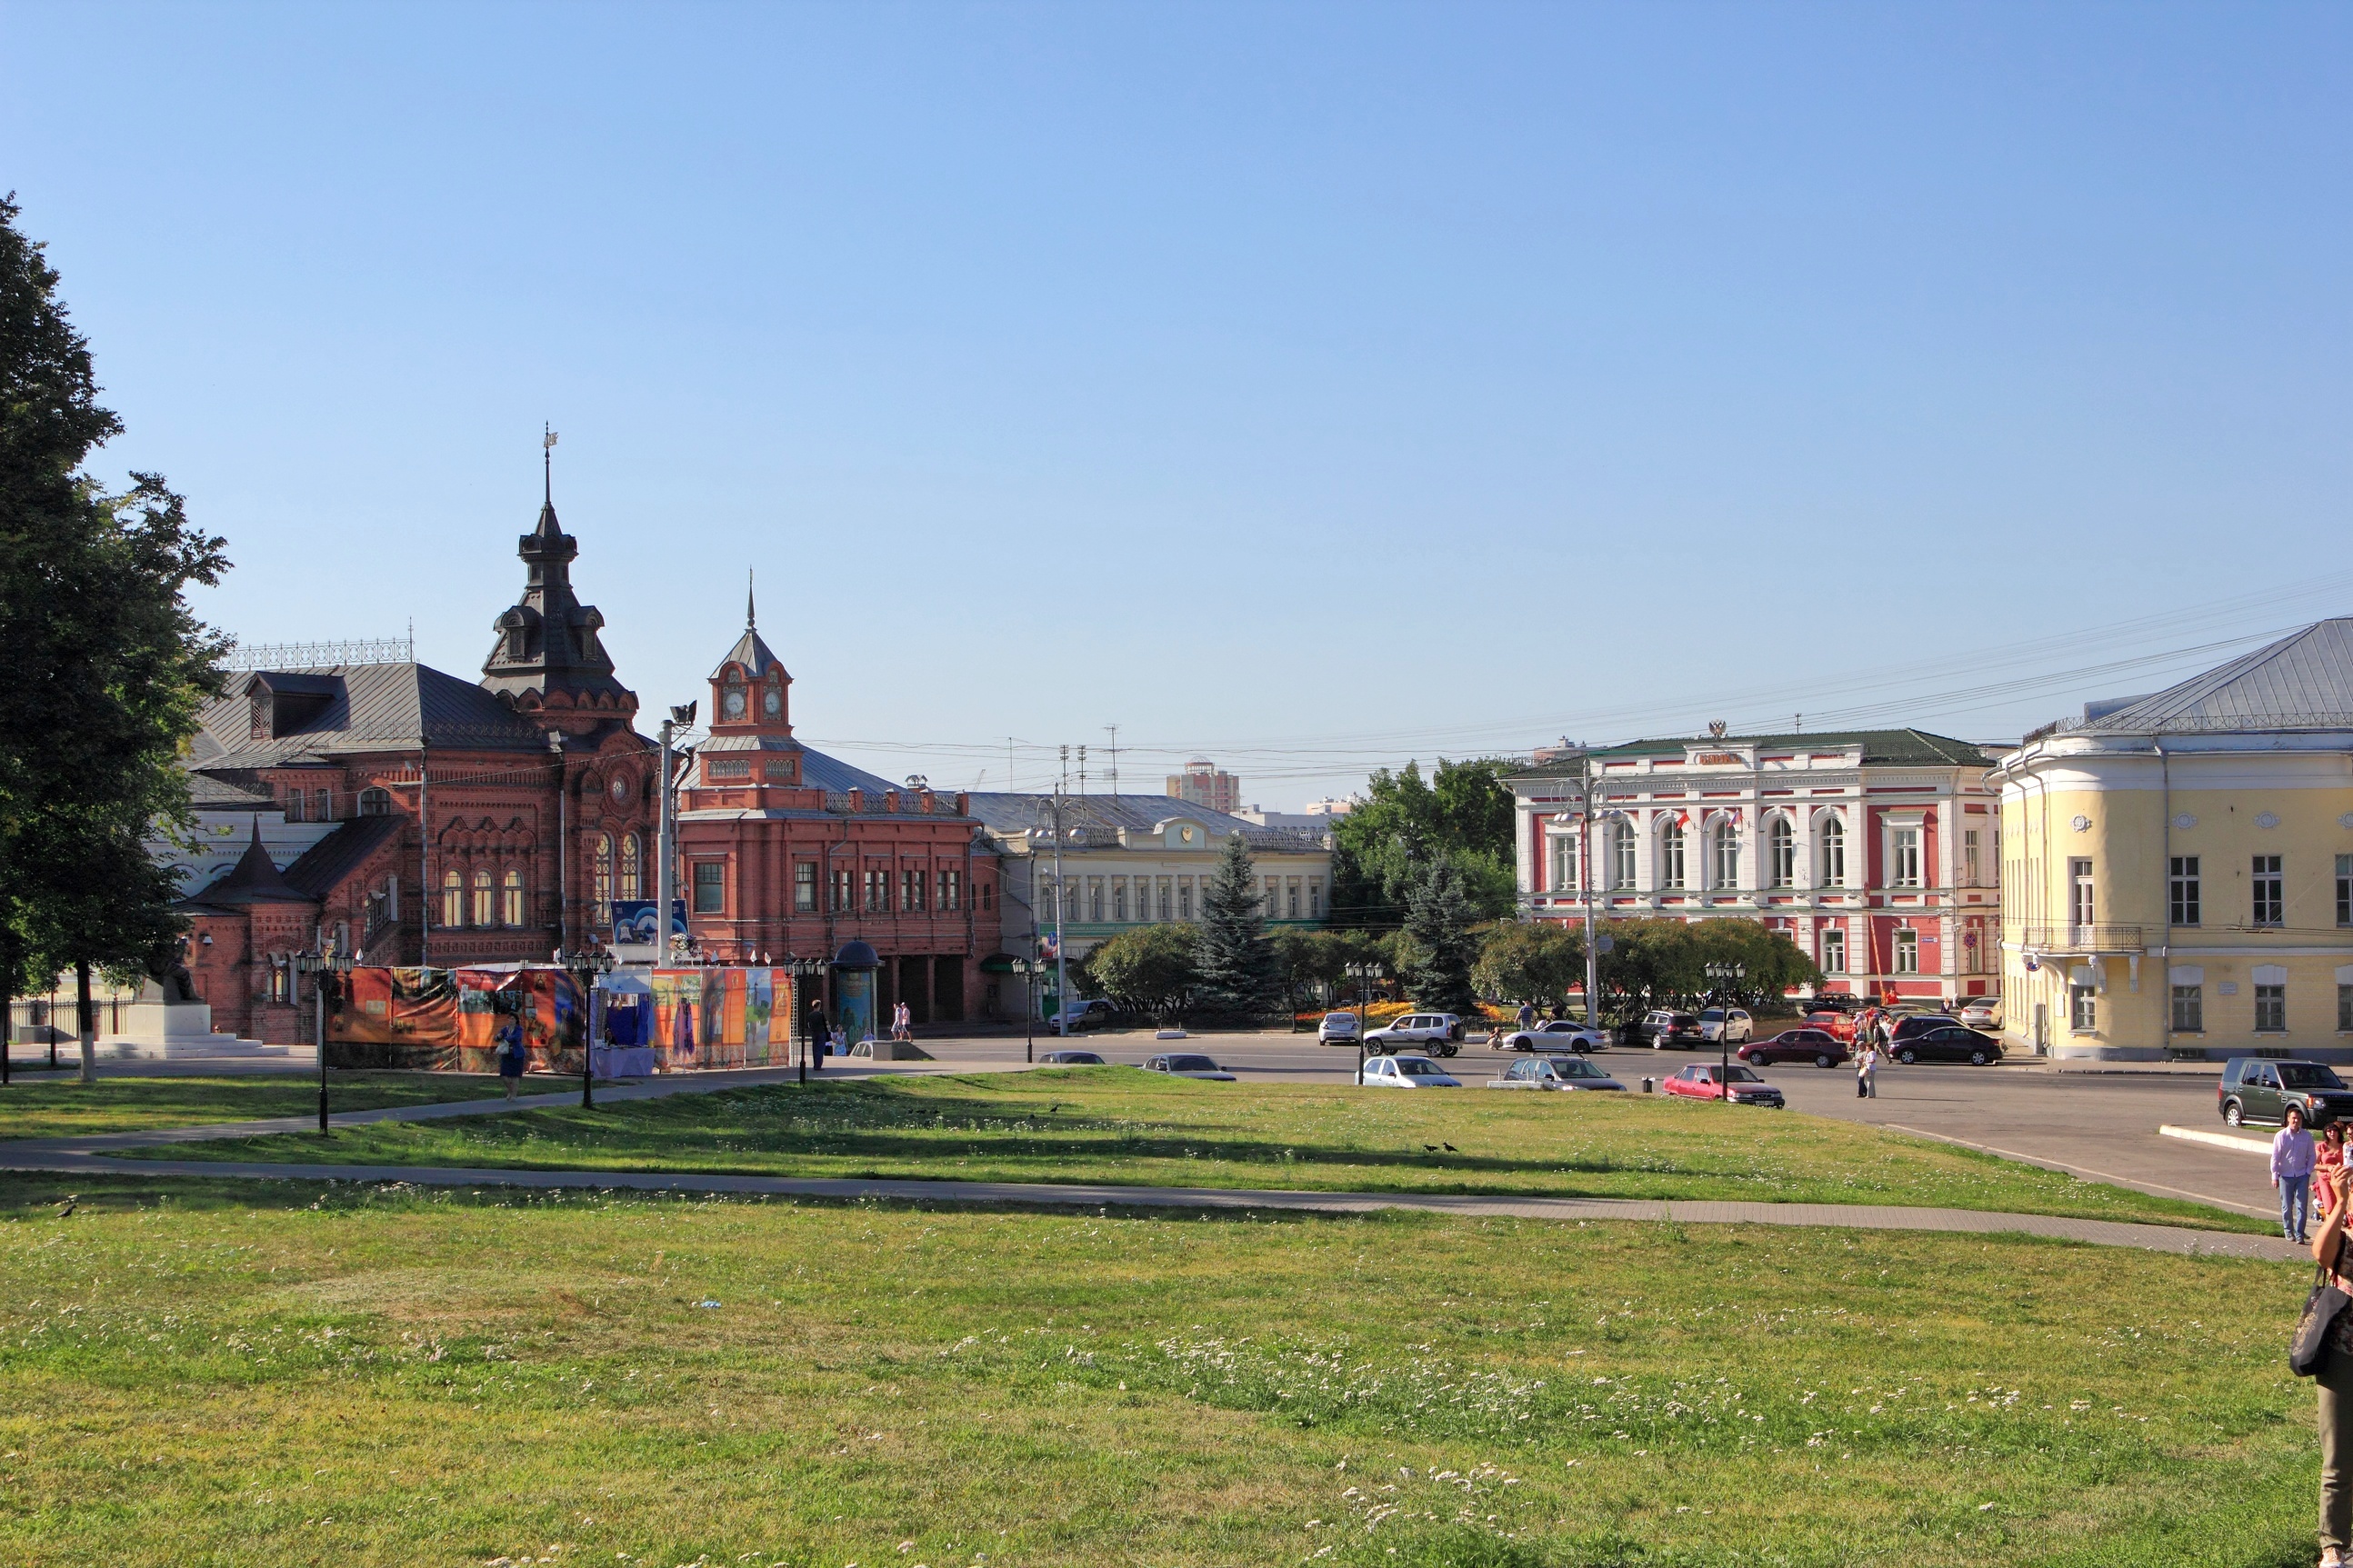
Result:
[[1237, 968], [1444, 947]]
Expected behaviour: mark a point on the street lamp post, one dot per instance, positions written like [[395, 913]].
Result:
[[319, 964], [1027, 969], [1719, 976], [1364, 974], [586, 968], [802, 969]]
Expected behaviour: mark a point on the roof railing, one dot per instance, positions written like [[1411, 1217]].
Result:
[[299, 656]]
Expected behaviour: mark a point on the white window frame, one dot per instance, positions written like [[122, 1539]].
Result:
[[1907, 951], [1830, 851], [1781, 840], [1723, 854], [1623, 860], [1671, 868], [1833, 946]]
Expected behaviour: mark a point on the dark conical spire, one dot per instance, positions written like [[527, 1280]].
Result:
[[548, 653], [254, 879], [750, 619]]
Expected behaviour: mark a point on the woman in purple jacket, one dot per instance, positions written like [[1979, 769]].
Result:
[[2292, 1158]]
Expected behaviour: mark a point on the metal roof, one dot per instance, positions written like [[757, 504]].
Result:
[[2303, 681], [1097, 819], [1881, 748], [369, 708], [340, 853]]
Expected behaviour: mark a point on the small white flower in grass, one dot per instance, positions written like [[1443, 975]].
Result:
[[1983, 1507]]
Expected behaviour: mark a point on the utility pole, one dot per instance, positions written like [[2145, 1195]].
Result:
[[1115, 759], [1585, 876], [663, 892]]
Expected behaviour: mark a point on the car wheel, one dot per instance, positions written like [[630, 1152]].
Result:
[[1907, 1056], [1822, 1060], [1977, 1058], [2234, 1114]]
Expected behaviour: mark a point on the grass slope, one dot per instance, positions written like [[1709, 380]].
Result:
[[196, 1374], [1123, 1125], [56, 1108]]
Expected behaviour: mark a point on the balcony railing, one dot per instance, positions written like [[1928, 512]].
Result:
[[2091, 938]]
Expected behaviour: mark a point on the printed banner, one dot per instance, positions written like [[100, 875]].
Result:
[[721, 1017], [450, 1018]]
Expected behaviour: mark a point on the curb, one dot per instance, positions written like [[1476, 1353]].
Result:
[[2219, 1140]]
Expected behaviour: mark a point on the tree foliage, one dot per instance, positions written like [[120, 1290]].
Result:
[[1462, 812], [1442, 945], [1154, 970], [1237, 962], [110, 667], [1662, 963], [1530, 960]]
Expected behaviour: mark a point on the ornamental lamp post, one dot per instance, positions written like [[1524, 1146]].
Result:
[[1720, 976], [319, 964], [1364, 974], [802, 969], [587, 968], [1027, 969]]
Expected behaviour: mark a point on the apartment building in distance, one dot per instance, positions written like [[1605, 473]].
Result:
[[1202, 785], [2177, 877]]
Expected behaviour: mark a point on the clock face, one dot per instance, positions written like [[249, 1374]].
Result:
[[735, 702], [620, 789], [774, 703]]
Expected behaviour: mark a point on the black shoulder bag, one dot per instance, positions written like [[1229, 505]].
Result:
[[2307, 1350]]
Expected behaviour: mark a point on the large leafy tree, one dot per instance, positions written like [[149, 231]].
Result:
[[1661, 963], [1382, 848], [110, 667], [1530, 960], [1154, 970], [1238, 972], [1440, 943]]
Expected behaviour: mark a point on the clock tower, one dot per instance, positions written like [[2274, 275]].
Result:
[[750, 711]]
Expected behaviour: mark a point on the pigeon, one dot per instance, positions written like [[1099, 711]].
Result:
[[71, 1199], [1429, 1147], [1452, 1150]]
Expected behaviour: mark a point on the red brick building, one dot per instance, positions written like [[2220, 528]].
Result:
[[425, 819], [784, 850]]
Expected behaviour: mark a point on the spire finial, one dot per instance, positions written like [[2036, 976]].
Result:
[[547, 461], [750, 620]]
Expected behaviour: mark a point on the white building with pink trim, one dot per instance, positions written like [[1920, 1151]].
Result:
[[1877, 851]]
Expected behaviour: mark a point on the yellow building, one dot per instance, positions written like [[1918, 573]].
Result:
[[2176, 871]]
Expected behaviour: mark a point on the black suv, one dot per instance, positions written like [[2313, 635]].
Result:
[[2256, 1090]]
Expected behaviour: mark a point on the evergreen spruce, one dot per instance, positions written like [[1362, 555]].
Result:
[[1237, 968], [1440, 942]]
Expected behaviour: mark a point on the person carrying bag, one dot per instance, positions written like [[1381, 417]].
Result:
[[2322, 1350]]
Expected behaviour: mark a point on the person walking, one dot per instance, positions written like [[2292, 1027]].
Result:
[[1527, 1015], [2327, 1159], [2336, 1386], [1866, 1071], [2292, 1160], [513, 1056]]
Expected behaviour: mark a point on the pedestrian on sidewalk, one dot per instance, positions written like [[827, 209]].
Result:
[[2336, 1384], [2291, 1161], [513, 1055], [1866, 1071], [2327, 1159]]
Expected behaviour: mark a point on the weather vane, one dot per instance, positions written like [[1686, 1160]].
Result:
[[547, 461]]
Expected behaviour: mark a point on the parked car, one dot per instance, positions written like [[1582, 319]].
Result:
[[1437, 1032], [1406, 1072], [1077, 1016], [2256, 1090], [1729, 1025], [1834, 1001], [1911, 1026], [1705, 1080], [1948, 1042], [1554, 1072], [1818, 1047], [1071, 1059], [1188, 1067], [1557, 1035], [1981, 1013], [1337, 1029], [1838, 1024], [1662, 1028]]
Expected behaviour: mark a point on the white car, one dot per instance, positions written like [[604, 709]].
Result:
[[1188, 1067], [1071, 1059], [1437, 1031], [1727, 1025], [1337, 1029], [1554, 1072], [1558, 1034], [1406, 1072], [1981, 1013], [1079, 1016]]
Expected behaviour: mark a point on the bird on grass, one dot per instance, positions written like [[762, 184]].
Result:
[[1452, 1150], [1429, 1147], [71, 1199]]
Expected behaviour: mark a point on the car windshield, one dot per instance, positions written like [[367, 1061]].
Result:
[[1576, 1070], [1741, 1075], [1191, 1064], [1414, 1066], [2301, 1075], [1713, 1015]]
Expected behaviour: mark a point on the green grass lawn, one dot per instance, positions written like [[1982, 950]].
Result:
[[62, 1107], [216, 1374], [1121, 1124]]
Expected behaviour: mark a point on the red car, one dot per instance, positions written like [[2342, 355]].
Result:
[[1818, 1047], [1699, 1081], [1838, 1026]]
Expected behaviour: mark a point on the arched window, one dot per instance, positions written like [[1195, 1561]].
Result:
[[511, 899], [483, 897], [375, 803], [631, 857], [1781, 843], [453, 899], [1671, 854], [1833, 853], [603, 893], [1725, 845], [1621, 854]]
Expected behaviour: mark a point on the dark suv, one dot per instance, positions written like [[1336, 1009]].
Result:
[[2256, 1090]]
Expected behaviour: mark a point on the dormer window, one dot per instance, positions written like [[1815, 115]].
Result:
[[514, 642]]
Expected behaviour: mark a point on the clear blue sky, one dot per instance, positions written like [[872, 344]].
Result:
[[1313, 386]]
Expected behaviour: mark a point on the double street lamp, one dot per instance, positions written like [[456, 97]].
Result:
[[802, 969], [319, 964], [1029, 969], [586, 968], [1364, 974], [1721, 977]]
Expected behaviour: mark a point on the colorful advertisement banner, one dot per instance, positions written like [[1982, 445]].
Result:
[[722, 1017], [451, 1019]]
